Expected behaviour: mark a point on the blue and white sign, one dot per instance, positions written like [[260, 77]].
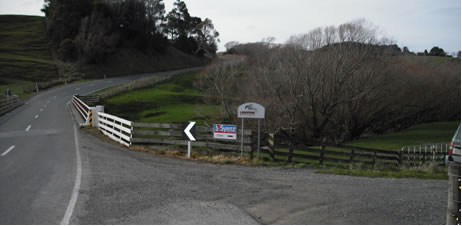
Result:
[[225, 132]]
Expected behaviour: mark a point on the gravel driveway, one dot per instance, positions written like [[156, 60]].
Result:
[[124, 187]]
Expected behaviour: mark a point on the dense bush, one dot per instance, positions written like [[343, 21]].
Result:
[[89, 31]]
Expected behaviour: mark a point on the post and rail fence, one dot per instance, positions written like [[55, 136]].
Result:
[[323, 153], [9, 103], [155, 135], [166, 136]]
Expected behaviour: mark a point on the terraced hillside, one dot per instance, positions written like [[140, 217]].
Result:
[[24, 54]]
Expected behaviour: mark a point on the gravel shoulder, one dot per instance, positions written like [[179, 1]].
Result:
[[124, 187]]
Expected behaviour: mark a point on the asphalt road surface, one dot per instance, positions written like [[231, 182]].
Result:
[[51, 172]]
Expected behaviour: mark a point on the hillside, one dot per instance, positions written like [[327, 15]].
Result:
[[24, 54], [127, 61], [25, 58]]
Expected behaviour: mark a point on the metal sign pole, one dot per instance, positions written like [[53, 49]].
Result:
[[242, 139], [258, 142], [189, 149]]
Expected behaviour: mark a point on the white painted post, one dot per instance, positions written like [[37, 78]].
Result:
[[408, 153], [425, 152], [420, 154], [120, 132], [97, 109], [189, 149]]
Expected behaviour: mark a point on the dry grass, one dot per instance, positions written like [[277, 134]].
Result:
[[216, 159]]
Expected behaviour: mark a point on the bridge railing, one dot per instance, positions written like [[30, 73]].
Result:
[[83, 109]]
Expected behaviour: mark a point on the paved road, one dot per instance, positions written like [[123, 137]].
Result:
[[119, 186], [38, 155]]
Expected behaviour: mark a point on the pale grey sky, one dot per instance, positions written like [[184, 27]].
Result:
[[418, 24]]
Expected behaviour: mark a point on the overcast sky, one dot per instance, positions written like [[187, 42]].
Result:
[[418, 24]]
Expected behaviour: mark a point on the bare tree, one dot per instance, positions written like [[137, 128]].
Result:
[[336, 84]]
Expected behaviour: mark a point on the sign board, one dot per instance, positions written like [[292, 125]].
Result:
[[251, 110], [225, 132], [189, 131]]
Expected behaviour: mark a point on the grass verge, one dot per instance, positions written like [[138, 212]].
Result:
[[172, 101], [435, 132]]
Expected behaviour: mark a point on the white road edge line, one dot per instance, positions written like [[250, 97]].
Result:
[[8, 150], [78, 178], [28, 128]]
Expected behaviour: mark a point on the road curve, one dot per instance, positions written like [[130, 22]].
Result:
[[38, 156], [118, 186]]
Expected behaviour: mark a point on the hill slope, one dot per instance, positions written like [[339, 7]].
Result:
[[24, 54]]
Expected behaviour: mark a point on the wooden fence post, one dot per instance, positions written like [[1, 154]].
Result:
[[271, 145], [352, 155], [321, 155], [400, 157], [424, 156], [291, 151], [374, 159]]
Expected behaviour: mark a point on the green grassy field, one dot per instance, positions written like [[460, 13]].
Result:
[[173, 101], [24, 54], [436, 132]]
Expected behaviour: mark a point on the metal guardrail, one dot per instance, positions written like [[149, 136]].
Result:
[[116, 128]]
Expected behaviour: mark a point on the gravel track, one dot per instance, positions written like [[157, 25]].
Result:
[[124, 187]]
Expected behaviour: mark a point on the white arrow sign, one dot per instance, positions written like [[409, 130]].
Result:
[[188, 132]]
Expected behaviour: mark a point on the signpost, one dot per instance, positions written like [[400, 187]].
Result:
[[189, 133], [255, 111], [225, 132]]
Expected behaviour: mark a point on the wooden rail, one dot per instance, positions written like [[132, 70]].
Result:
[[82, 108], [161, 135], [338, 153], [7, 105], [116, 128]]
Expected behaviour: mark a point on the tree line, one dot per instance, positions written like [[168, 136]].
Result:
[[335, 84], [90, 30]]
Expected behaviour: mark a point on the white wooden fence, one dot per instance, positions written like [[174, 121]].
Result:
[[123, 131], [82, 108], [416, 155], [116, 128]]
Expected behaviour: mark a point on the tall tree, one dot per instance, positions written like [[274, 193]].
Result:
[[179, 20], [436, 51], [64, 18], [207, 36]]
